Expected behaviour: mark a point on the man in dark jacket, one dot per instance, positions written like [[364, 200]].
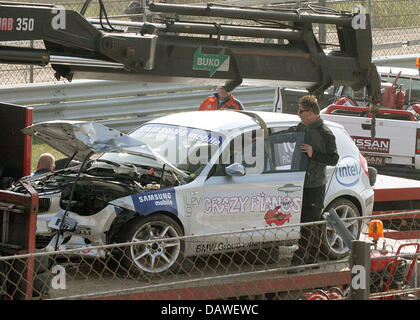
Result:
[[321, 149]]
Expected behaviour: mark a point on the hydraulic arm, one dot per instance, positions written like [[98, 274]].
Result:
[[276, 47]]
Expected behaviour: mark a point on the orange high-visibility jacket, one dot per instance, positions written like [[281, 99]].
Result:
[[211, 103]]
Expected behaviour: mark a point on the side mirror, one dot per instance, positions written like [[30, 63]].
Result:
[[235, 169]]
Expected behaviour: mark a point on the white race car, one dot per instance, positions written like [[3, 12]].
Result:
[[189, 174]]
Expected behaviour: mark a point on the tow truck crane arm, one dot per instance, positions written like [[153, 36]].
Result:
[[187, 51]]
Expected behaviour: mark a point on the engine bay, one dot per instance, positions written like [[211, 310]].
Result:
[[88, 190]]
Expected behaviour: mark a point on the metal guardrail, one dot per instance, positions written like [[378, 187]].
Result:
[[119, 104], [403, 61], [48, 93]]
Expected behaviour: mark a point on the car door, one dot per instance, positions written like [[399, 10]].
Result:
[[265, 196]]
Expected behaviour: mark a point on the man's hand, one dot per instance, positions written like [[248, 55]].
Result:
[[307, 148]]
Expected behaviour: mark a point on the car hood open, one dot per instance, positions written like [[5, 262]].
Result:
[[83, 138]]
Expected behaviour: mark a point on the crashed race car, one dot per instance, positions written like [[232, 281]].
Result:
[[188, 174]]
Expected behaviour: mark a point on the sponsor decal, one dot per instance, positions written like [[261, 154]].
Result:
[[221, 246], [149, 202], [254, 203], [276, 217], [348, 171], [378, 161], [83, 230], [20, 24], [211, 138], [6, 24], [27, 24], [211, 62], [366, 144]]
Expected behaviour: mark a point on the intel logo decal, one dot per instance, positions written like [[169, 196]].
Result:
[[348, 171]]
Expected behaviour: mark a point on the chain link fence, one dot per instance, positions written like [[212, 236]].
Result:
[[395, 27], [149, 260]]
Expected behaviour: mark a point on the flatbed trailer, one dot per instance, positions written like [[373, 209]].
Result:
[[219, 278], [401, 198]]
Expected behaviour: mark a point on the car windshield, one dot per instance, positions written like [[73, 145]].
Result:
[[188, 149]]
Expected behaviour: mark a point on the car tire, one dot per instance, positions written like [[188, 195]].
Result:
[[158, 257], [333, 245]]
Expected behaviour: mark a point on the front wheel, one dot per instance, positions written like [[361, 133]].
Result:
[[332, 243], [158, 250]]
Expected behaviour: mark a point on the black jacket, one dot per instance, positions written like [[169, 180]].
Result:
[[322, 140]]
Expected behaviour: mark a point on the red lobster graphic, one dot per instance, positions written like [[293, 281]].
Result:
[[276, 217]]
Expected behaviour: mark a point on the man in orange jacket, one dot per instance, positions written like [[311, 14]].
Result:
[[222, 99]]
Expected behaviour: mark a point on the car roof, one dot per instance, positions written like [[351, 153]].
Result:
[[225, 120]]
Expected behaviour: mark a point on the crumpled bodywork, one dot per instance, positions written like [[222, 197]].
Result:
[[83, 138], [85, 194]]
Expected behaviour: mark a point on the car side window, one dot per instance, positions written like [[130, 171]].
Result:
[[285, 151], [246, 149], [283, 154], [261, 155]]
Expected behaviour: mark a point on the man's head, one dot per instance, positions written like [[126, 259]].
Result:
[[223, 93], [308, 109], [46, 161]]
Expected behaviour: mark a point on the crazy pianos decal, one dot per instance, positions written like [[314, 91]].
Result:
[[277, 210]]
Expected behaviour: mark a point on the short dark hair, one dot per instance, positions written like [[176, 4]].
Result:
[[310, 102]]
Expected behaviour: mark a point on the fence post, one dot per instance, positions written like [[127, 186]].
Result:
[[322, 31], [372, 22], [31, 67], [359, 270]]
